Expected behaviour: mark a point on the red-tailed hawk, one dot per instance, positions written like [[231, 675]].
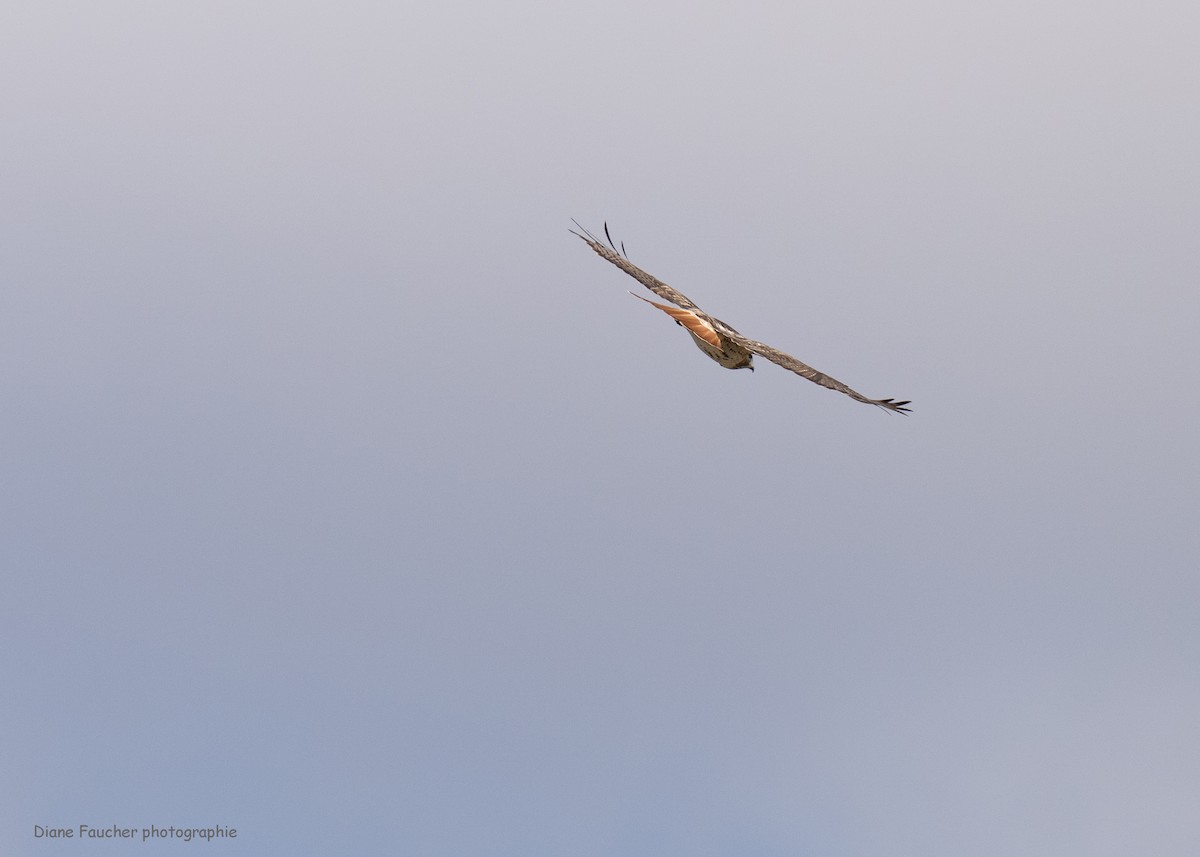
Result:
[[714, 337]]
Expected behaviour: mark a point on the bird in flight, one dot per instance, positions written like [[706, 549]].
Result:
[[714, 337]]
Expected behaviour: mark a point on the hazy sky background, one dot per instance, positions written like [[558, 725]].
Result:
[[350, 501]]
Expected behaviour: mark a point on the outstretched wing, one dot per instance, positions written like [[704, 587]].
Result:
[[790, 363], [621, 261]]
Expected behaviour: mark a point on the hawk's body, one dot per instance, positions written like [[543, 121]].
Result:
[[707, 336], [714, 337]]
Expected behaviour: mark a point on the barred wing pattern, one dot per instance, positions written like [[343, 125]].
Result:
[[787, 361], [716, 338], [621, 261]]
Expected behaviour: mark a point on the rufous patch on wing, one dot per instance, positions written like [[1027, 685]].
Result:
[[694, 323]]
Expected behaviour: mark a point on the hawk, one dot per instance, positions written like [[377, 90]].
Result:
[[714, 337]]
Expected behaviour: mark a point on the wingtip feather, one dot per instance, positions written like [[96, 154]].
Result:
[[897, 407]]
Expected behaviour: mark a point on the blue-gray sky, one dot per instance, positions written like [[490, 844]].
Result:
[[350, 501]]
